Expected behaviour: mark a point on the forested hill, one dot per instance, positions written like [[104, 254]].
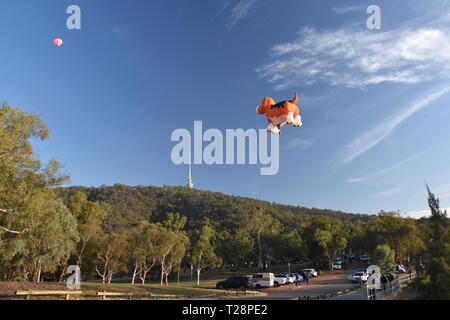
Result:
[[130, 205]]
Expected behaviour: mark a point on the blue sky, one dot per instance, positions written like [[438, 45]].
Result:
[[374, 102]]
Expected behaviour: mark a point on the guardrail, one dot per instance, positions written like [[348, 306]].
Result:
[[105, 294], [29, 293], [390, 290]]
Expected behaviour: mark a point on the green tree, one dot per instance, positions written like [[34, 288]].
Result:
[[258, 225], [384, 257], [174, 221], [176, 255], [36, 229], [90, 216], [111, 251], [234, 246], [325, 238], [202, 254], [144, 253], [400, 234], [438, 267]]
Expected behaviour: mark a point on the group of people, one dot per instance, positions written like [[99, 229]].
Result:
[[385, 279], [300, 277]]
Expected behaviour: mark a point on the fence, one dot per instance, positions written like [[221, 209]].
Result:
[[390, 290]]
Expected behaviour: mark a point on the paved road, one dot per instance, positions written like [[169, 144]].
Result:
[[324, 284]]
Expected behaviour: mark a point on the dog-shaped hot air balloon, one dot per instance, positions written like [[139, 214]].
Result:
[[278, 114]]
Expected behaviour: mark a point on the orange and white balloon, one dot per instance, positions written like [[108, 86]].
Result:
[[278, 114]]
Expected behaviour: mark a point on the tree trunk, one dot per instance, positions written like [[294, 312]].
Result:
[[134, 273], [198, 276], [26, 275], [110, 276], [80, 255], [144, 273], [62, 270], [38, 275]]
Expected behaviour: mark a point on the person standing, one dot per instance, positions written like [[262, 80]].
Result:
[[297, 280]]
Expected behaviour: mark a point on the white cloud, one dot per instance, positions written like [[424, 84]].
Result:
[[240, 10], [343, 10], [354, 57], [377, 134], [419, 214], [422, 213]]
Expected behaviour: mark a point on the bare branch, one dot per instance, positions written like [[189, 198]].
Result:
[[10, 231]]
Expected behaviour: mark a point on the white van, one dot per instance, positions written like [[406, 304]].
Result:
[[263, 280]]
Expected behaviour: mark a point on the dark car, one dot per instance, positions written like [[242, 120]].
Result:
[[236, 282]]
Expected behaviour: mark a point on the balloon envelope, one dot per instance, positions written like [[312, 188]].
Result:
[[58, 42]]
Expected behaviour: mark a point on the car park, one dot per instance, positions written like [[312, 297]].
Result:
[[235, 282]]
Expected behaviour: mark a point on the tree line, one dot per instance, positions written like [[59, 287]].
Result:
[[141, 232]]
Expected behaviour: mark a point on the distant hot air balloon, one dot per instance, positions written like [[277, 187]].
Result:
[[58, 42]]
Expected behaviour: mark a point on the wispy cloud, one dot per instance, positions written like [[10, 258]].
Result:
[[300, 143], [390, 192], [355, 57], [377, 134], [355, 180], [238, 10], [347, 9], [375, 177]]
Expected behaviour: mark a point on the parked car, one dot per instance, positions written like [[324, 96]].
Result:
[[280, 279], [336, 266], [362, 271], [363, 258], [400, 268], [235, 282], [311, 272], [263, 280], [357, 276], [290, 278]]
